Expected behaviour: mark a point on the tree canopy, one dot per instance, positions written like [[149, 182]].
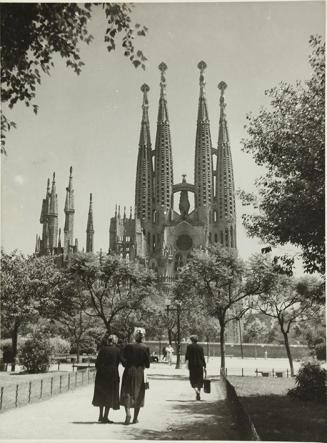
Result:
[[115, 288], [32, 33], [287, 300], [221, 284], [288, 139], [28, 288]]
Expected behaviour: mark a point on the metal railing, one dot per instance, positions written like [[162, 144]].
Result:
[[23, 393]]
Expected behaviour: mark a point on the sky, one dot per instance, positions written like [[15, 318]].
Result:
[[92, 122]]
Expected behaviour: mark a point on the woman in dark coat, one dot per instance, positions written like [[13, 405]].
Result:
[[196, 365], [106, 389], [135, 358]]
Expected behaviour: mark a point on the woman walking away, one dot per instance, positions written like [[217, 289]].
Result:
[[106, 389], [196, 365], [135, 358]]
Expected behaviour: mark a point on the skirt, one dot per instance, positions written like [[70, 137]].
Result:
[[196, 376], [133, 389], [106, 390]]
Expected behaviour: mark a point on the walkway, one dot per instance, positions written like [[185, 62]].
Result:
[[170, 413]]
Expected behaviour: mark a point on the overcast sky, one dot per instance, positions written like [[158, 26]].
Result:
[[92, 121]]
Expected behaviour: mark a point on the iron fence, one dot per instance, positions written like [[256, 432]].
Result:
[[22, 393]]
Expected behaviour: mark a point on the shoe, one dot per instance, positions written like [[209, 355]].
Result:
[[135, 420], [127, 420], [106, 420]]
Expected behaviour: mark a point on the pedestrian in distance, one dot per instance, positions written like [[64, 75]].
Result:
[[135, 358], [196, 365], [169, 353], [164, 353], [106, 388]]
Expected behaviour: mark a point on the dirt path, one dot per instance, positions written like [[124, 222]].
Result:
[[170, 413]]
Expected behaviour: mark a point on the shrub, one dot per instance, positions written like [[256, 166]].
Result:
[[35, 354], [59, 345], [310, 383]]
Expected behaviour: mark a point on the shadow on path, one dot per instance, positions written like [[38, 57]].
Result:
[[193, 421], [176, 377], [96, 423]]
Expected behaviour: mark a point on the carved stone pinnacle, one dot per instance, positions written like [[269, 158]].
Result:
[[163, 67], [202, 66], [222, 86], [145, 88]]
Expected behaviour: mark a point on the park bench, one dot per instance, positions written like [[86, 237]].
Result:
[[263, 373], [279, 374]]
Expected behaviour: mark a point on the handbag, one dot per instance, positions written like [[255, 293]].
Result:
[[207, 386], [206, 383]]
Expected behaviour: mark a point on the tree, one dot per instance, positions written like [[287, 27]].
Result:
[[288, 300], [289, 140], [114, 286], [31, 34], [28, 284], [220, 282], [254, 331], [72, 313]]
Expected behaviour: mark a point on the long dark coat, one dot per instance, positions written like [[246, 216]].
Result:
[[135, 358], [106, 389], [196, 362]]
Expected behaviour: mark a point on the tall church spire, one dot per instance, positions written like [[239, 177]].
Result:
[[163, 151], [225, 188], [203, 154], [144, 171], [53, 216], [44, 241], [90, 228], [69, 215]]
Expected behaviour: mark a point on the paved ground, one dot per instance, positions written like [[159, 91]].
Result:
[[170, 413]]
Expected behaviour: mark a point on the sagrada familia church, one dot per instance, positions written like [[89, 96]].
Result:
[[158, 234]]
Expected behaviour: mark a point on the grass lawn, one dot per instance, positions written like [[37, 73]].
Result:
[[275, 415], [19, 389]]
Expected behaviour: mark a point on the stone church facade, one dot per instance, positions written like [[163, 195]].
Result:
[[159, 234]]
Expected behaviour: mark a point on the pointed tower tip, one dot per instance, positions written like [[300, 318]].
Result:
[[71, 171], [222, 86], [54, 177], [163, 67], [202, 66], [145, 88], [91, 198]]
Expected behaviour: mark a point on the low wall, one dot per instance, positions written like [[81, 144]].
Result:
[[250, 350], [244, 423]]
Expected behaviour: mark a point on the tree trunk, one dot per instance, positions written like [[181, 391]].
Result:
[[222, 346], [169, 337], [288, 351], [77, 351], [14, 342]]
